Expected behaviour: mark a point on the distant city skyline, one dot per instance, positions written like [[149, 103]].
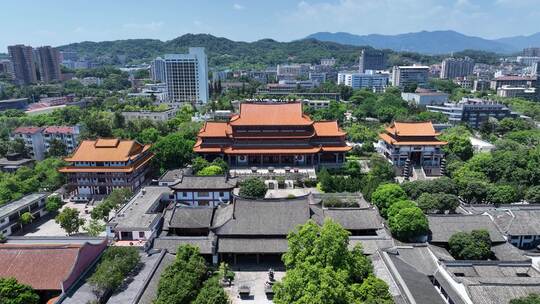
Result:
[[62, 22]]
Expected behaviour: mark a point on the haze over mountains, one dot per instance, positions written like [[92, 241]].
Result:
[[432, 42]]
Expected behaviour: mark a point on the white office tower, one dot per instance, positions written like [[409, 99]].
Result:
[[157, 70], [186, 76]]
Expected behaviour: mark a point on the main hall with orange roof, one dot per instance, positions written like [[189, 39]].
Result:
[[273, 135], [412, 144]]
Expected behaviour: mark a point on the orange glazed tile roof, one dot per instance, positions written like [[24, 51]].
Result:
[[73, 169], [284, 114], [107, 150], [231, 150], [387, 138], [336, 149], [412, 129], [215, 129], [328, 128]]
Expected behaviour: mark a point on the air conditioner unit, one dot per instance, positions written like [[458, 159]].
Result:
[[299, 158]]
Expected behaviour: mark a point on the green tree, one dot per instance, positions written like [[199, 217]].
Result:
[[533, 195], [501, 194], [26, 218], [94, 227], [210, 170], [474, 192], [212, 293], [149, 136], [173, 151], [252, 188], [199, 163], [69, 220], [530, 299], [409, 224], [387, 194], [398, 206], [438, 202], [181, 281], [116, 263], [12, 292], [57, 148], [321, 269], [53, 203], [470, 246], [459, 143]]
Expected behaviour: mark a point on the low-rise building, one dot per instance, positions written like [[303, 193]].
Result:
[[138, 221], [481, 145], [316, 104], [425, 98], [13, 161], [207, 191], [51, 266], [375, 82], [33, 141], [473, 111], [155, 116], [513, 81], [517, 92], [97, 167], [409, 145], [38, 139], [10, 213], [14, 104]]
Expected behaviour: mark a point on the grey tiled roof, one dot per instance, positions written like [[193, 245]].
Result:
[[518, 222], [266, 217], [417, 283], [25, 201], [252, 245], [191, 217], [150, 291], [349, 218], [444, 226], [191, 182], [171, 243], [370, 245]]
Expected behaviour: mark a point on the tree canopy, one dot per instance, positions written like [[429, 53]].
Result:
[[252, 188], [12, 292], [321, 269], [470, 246]]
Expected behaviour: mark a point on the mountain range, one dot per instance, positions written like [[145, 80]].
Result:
[[432, 42]]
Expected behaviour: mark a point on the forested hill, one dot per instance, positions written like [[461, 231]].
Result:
[[223, 52]]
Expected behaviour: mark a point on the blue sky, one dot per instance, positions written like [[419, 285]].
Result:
[[56, 22]]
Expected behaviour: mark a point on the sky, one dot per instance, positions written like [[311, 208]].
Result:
[[58, 22]]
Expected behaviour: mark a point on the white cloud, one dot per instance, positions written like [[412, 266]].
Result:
[[238, 7], [152, 26]]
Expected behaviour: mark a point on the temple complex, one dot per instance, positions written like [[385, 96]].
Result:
[[273, 135]]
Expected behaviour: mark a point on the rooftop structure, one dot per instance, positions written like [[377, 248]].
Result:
[[444, 226], [273, 134], [408, 144], [49, 268], [425, 98], [99, 166], [139, 218], [203, 190]]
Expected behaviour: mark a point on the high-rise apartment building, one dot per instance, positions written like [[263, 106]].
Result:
[[403, 76], [186, 76], [531, 52], [48, 59], [6, 68], [157, 70], [24, 67], [371, 60], [456, 67]]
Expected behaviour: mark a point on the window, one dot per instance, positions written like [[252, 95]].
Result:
[[141, 234], [203, 193], [222, 194], [522, 274]]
